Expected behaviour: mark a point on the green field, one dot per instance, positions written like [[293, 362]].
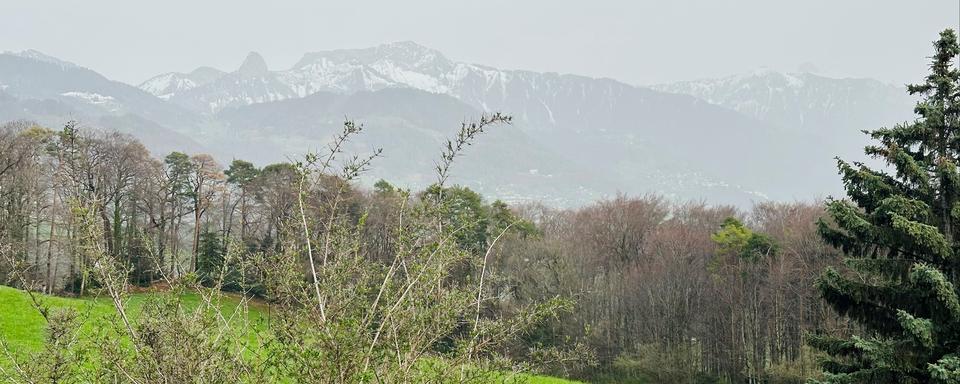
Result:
[[22, 327]]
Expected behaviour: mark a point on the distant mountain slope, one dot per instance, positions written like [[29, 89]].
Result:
[[623, 139], [832, 110], [32, 75], [411, 126], [803, 101], [643, 140], [40, 88], [574, 139]]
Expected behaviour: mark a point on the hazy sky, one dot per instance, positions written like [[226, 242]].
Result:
[[640, 42]]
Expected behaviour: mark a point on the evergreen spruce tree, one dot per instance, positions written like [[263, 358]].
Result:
[[899, 230]]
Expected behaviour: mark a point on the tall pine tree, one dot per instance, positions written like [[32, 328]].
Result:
[[899, 230]]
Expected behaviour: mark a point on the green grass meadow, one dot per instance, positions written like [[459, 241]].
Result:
[[22, 326]]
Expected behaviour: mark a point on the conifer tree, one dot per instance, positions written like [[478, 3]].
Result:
[[899, 231]]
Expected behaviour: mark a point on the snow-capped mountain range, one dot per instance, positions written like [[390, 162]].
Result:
[[402, 64], [736, 140], [396, 65], [803, 101]]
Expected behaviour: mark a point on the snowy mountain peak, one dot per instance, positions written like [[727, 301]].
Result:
[[403, 64], [410, 52], [406, 54], [168, 84], [774, 78], [40, 56], [254, 64], [399, 64]]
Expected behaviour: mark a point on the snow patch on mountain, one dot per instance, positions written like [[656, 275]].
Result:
[[108, 103], [166, 85]]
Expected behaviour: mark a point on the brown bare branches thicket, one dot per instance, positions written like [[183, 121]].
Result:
[[413, 307], [658, 300]]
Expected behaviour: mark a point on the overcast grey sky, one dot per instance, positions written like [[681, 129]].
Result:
[[639, 42]]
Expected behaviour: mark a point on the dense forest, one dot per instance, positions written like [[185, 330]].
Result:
[[386, 284]]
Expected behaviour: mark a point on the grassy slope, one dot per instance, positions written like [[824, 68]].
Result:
[[22, 327]]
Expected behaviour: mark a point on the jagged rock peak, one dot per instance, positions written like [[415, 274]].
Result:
[[254, 64]]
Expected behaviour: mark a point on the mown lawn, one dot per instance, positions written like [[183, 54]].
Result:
[[22, 327]]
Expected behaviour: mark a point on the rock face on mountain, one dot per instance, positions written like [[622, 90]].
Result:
[[574, 139]]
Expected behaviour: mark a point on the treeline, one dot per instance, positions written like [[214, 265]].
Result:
[[170, 215], [680, 293], [666, 292], [362, 286]]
